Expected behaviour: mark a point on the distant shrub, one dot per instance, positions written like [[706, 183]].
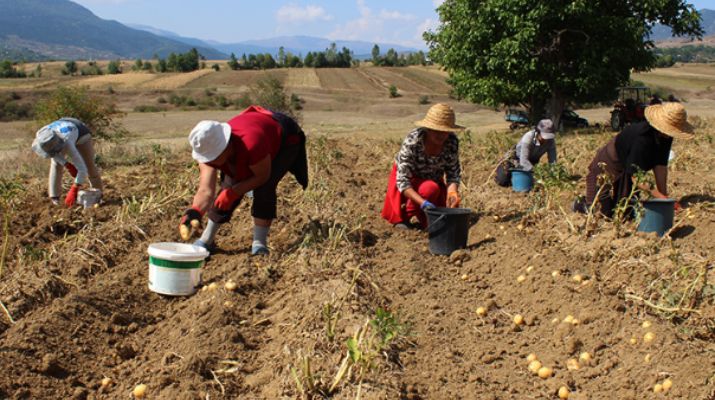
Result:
[[91, 69], [216, 67], [114, 67], [393, 92], [269, 92], [147, 66], [9, 70], [161, 100], [242, 101], [11, 109], [423, 100], [77, 102], [296, 103], [148, 108], [70, 68]]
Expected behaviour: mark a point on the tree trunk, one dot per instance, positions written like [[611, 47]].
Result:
[[536, 109], [558, 103]]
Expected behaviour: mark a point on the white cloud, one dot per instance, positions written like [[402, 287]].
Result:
[[396, 15], [385, 26], [437, 3], [295, 13]]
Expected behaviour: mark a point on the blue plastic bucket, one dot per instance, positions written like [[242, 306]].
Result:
[[658, 216], [448, 229], [521, 181]]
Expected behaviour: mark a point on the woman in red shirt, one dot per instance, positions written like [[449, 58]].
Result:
[[252, 152]]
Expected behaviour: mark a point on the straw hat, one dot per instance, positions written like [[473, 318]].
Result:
[[440, 117], [670, 119]]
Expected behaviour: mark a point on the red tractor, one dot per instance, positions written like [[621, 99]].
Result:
[[630, 106]]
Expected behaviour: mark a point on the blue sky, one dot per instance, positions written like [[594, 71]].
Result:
[[394, 21]]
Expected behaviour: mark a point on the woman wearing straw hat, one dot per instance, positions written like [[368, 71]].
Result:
[[252, 152], [643, 146], [67, 136], [426, 173]]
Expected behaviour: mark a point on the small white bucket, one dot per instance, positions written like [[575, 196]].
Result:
[[175, 268], [89, 197]]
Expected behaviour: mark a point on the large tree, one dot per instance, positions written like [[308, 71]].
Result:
[[543, 54]]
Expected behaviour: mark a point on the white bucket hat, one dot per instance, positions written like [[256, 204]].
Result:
[[208, 140], [47, 143]]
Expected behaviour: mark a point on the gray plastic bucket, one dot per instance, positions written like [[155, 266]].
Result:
[[175, 268], [448, 229]]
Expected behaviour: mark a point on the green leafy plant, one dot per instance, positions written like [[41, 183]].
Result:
[[393, 92], [77, 102]]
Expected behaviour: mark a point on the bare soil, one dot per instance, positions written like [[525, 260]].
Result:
[[76, 287]]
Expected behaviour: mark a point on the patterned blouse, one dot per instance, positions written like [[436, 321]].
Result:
[[413, 162]]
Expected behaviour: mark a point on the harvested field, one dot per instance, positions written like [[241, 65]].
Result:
[[125, 80], [351, 79], [395, 76], [75, 286], [175, 81], [236, 79], [299, 78]]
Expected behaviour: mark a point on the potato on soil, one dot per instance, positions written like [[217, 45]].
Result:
[[535, 366], [139, 391], [564, 392], [545, 372]]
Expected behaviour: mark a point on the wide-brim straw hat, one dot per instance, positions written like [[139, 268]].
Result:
[[671, 119], [440, 117]]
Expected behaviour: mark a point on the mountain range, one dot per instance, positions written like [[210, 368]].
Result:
[[63, 30], [293, 44], [661, 32]]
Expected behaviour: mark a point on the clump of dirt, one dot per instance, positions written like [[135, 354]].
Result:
[[342, 288]]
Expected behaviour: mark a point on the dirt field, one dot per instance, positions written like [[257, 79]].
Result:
[[75, 283]]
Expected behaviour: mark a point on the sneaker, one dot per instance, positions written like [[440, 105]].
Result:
[[259, 250]]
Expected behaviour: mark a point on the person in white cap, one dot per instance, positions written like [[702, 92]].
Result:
[[527, 153], [252, 152], [67, 136]]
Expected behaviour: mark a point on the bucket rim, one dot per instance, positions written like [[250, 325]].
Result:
[[521, 171], [658, 201], [174, 251], [448, 211]]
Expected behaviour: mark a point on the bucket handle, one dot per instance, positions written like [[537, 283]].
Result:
[[429, 228]]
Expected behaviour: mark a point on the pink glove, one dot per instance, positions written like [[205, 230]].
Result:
[[225, 199], [72, 196]]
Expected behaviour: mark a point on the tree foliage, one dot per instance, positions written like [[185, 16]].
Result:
[[541, 53], [77, 102]]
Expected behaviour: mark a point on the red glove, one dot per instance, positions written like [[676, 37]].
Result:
[[225, 199], [678, 207], [72, 195], [71, 169]]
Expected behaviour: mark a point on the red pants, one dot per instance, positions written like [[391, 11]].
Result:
[[430, 191], [399, 209]]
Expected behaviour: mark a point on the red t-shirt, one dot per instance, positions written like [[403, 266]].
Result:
[[254, 135]]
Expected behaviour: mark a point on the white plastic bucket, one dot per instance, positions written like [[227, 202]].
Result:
[[175, 268], [89, 197]]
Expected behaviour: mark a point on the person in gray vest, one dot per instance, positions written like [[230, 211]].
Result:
[[67, 137], [527, 153]]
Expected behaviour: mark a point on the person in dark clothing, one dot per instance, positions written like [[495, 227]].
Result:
[[642, 146]]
